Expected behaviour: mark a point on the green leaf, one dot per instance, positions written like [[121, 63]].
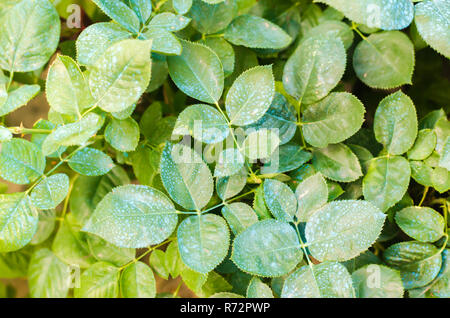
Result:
[[154, 127], [133, 216], [377, 281], [121, 13], [257, 289], [421, 173], [441, 286], [255, 32], [259, 205], [267, 248], [332, 120], [311, 194], [419, 263], [210, 18], [312, 61], [145, 162], [230, 162], [122, 135], [423, 146], [182, 6], [5, 134], [382, 14], [21, 161], [186, 177], [280, 200], [287, 157], [224, 51], [203, 242], [230, 186], [138, 281], [333, 28], [39, 22], [48, 276], [46, 225], [343, 229], [142, 8], [197, 72], [91, 162], [386, 181], [337, 162], [421, 223], [384, 60], [239, 216], [120, 76], [260, 144], [87, 192], [18, 221], [445, 156], [202, 122], [106, 252], [14, 264], [163, 41], [169, 21], [77, 133], [50, 192], [101, 280], [325, 280], [67, 90], [226, 295], [96, 38], [250, 96], [157, 262], [18, 98], [432, 20], [173, 261], [395, 123]]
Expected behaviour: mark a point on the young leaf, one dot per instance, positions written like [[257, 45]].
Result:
[[197, 72], [382, 14], [186, 177], [120, 76], [332, 120], [202, 122], [395, 123], [133, 216], [239, 216], [138, 281], [18, 221], [49, 277], [314, 59], [337, 162], [203, 242], [255, 32], [280, 200], [66, 87], [432, 20], [421, 223], [121, 13], [50, 191], [342, 230], [325, 280], [311, 194], [39, 21], [101, 280], [388, 285], [386, 181], [384, 60], [21, 161], [250, 96], [267, 248], [91, 162], [122, 135]]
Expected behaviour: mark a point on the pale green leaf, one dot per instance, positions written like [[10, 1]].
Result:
[[385, 60], [260, 144], [228, 187], [224, 51], [182, 6], [120, 12], [311, 194], [230, 162], [210, 18], [169, 21], [142, 8], [157, 261], [186, 176], [122, 135], [138, 281], [239, 216], [46, 225], [101, 280], [18, 221], [421, 223], [280, 200], [315, 68], [203, 242], [250, 96], [377, 281], [257, 289], [337, 162], [133, 216], [18, 98], [343, 229], [255, 32], [50, 192], [386, 181], [259, 205], [334, 28], [197, 72], [163, 41], [107, 252], [91, 162], [287, 157], [423, 146], [267, 248]]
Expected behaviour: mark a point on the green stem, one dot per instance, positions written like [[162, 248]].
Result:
[[149, 250], [425, 191], [29, 131], [228, 201]]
